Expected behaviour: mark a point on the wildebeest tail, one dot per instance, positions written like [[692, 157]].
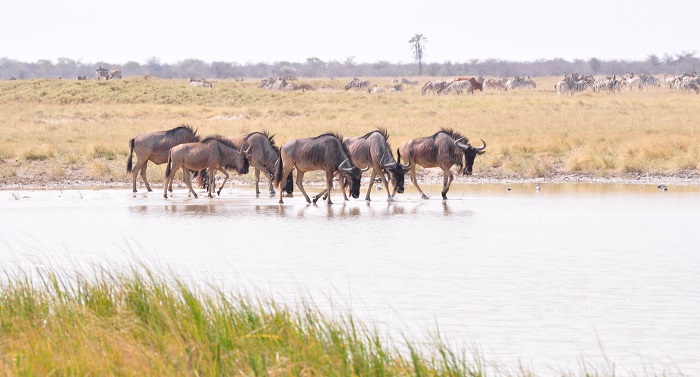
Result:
[[278, 172], [129, 163], [289, 187], [170, 163]]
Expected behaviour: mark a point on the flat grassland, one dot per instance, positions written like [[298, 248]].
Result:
[[63, 133]]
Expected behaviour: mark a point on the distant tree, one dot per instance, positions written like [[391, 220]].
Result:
[[595, 64], [418, 48], [314, 61], [653, 60], [153, 64]]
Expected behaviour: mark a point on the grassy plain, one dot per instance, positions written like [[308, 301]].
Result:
[[68, 132]]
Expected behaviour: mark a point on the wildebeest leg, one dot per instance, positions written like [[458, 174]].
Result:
[[371, 182], [143, 176], [257, 181], [415, 182], [226, 175], [329, 185], [135, 173], [300, 184], [286, 171], [188, 181], [446, 182]]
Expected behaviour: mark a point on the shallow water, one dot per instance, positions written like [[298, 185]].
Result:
[[570, 274]]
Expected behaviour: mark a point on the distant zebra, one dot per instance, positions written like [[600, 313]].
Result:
[[102, 73], [434, 86], [521, 82], [82, 77], [282, 84], [495, 84], [114, 74], [408, 82], [378, 89], [396, 88], [459, 86], [267, 83], [631, 80], [688, 83], [649, 80], [201, 83], [357, 84], [563, 88]]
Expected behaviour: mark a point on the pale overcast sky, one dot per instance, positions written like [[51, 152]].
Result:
[[272, 31]]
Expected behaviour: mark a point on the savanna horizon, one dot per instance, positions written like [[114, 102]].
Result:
[[59, 132]]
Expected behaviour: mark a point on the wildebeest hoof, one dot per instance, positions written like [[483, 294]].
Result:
[[390, 199], [424, 196]]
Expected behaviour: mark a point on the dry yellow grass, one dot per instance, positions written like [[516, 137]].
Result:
[[61, 130]]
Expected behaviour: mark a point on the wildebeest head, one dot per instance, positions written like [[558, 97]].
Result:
[[245, 164], [397, 173], [352, 174], [470, 153]]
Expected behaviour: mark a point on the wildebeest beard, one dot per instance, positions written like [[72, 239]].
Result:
[[352, 179]]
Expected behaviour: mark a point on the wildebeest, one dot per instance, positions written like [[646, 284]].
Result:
[[443, 149], [213, 153], [263, 154], [154, 147], [324, 152], [373, 150], [82, 77]]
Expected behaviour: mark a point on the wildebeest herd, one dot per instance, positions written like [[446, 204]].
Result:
[[342, 158]]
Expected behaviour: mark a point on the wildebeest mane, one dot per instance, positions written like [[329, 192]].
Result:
[[453, 134], [317, 156], [381, 130], [182, 127], [270, 138]]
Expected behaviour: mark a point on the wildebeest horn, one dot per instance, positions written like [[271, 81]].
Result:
[[389, 165], [343, 163], [482, 148], [461, 145]]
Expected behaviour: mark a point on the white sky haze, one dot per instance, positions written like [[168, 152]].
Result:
[[272, 31]]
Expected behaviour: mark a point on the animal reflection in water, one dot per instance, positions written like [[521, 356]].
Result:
[[213, 153], [350, 210]]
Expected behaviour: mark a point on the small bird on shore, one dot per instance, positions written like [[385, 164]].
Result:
[[662, 187]]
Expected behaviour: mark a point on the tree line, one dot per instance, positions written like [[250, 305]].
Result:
[[316, 68]]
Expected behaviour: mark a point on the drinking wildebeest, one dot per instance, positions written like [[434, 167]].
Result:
[[263, 155], [213, 153], [154, 147], [324, 152], [373, 150], [443, 149]]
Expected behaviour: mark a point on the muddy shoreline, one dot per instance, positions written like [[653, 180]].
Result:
[[428, 176]]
